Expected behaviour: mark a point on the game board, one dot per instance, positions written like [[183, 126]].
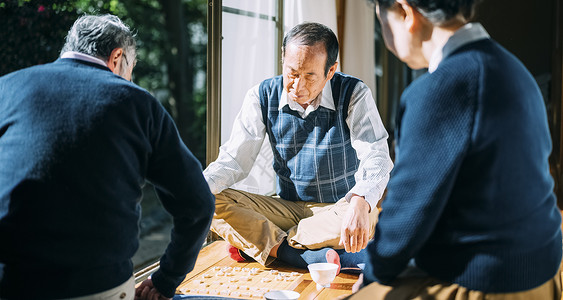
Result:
[[240, 282]]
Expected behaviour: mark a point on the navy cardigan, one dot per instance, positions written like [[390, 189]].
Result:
[[76, 145], [470, 198]]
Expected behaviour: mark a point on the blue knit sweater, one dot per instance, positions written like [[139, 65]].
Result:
[[471, 197], [76, 145]]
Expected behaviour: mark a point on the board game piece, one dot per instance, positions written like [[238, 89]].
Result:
[[251, 283]]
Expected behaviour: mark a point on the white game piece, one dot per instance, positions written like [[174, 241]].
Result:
[[185, 290], [203, 291], [216, 268], [280, 277], [244, 278], [266, 279], [220, 273], [214, 292], [274, 272], [207, 275], [232, 279], [229, 274], [235, 294], [245, 269], [294, 273], [245, 294], [237, 269], [244, 288], [225, 292]]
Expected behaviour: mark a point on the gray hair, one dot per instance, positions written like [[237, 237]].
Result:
[[99, 35]]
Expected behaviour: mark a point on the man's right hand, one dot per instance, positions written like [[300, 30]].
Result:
[[147, 291], [354, 234]]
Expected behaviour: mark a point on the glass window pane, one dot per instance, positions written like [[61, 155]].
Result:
[[261, 7], [248, 57]]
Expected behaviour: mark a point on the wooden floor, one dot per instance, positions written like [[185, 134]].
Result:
[[213, 258]]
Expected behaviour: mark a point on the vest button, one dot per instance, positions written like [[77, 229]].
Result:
[[123, 295]]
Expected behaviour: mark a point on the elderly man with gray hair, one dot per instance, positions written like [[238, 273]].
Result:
[[78, 140]]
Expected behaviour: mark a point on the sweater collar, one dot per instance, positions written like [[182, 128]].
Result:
[[468, 33]]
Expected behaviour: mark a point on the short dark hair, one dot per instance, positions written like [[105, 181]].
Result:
[[439, 12], [310, 34]]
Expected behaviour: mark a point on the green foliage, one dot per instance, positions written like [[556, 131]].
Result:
[[33, 32]]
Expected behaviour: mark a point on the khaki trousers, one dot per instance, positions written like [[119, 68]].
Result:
[[427, 288], [256, 223]]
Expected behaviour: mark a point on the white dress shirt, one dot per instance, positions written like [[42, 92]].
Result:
[[84, 57], [368, 136]]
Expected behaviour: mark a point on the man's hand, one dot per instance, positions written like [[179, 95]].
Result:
[[354, 234], [147, 291]]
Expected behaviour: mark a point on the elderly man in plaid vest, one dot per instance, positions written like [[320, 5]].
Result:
[[330, 156]]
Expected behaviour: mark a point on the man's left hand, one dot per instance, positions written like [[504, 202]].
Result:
[[354, 234], [147, 291]]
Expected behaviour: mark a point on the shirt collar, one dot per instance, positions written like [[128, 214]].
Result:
[[84, 57], [468, 33], [325, 96]]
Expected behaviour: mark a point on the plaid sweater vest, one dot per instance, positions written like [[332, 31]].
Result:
[[313, 156]]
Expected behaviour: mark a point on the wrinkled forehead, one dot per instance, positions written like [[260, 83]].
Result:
[[305, 58]]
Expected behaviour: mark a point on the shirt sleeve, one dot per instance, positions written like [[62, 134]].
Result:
[[237, 155], [183, 192], [369, 139], [434, 137]]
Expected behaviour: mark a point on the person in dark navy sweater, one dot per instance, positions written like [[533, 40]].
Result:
[[470, 212], [78, 140]]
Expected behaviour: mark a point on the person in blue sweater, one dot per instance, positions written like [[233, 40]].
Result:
[[78, 140], [470, 212]]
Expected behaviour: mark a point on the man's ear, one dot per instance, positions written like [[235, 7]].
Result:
[[331, 71], [410, 14], [114, 61]]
